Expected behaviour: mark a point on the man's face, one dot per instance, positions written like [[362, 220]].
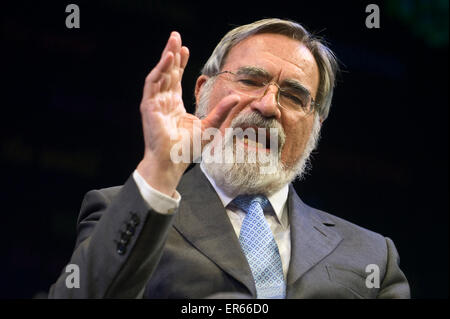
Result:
[[284, 59]]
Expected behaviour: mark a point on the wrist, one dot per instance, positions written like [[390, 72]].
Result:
[[163, 176]]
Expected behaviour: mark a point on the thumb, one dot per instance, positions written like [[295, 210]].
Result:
[[219, 113]]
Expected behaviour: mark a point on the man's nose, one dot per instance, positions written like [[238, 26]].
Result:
[[267, 104]]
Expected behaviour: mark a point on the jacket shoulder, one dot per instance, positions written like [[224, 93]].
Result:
[[347, 228]]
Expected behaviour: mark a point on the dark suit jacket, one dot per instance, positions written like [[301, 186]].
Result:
[[195, 252]]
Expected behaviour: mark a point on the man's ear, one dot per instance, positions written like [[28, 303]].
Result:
[[201, 80]]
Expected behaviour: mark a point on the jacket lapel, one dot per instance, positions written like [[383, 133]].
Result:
[[203, 221], [312, 239]]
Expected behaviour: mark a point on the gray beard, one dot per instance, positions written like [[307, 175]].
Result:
[[246, 178]]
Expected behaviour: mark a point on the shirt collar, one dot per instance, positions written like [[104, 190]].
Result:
[[278, 199]]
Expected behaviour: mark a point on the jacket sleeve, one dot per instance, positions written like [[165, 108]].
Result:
[[394, 284], [119, 244]]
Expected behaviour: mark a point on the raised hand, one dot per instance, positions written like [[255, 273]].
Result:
[[165, 120]]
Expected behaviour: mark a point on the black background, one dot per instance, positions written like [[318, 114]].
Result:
[[70, 120]]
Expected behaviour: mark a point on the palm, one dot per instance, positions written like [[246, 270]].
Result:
[[167, 111], [162, 105]]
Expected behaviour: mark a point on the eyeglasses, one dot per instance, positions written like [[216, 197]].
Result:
[[294, 98]]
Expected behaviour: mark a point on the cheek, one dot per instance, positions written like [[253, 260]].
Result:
[[297, 135]]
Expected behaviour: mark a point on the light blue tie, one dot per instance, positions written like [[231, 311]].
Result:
[[260, 248]]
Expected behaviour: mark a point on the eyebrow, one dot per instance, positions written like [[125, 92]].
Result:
[[296, 85], [254, 71]]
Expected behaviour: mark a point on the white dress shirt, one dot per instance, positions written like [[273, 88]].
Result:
[[277, 218]]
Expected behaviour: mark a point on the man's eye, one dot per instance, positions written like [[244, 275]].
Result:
[[250, 82], [294, 99]]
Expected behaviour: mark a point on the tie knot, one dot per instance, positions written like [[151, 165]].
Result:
[[245, 201]]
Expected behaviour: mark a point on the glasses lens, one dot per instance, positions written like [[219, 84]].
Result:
[[249, 85], [254, 86], [295, 100]]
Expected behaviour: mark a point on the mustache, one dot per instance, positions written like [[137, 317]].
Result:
[[255, 119]]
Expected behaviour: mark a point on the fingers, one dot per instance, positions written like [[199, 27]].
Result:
[[219, 113], [154, 81], [169, 70], [167, 58], [173, 43], [184, 57]]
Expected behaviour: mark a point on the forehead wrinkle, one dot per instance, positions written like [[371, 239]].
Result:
[[306, 71]]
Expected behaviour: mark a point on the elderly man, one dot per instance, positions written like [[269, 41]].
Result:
[[230, 227]]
